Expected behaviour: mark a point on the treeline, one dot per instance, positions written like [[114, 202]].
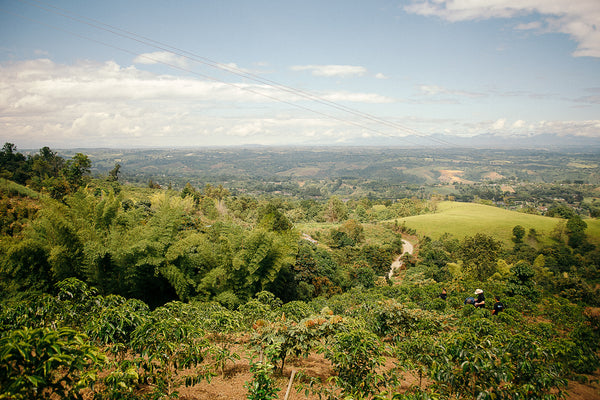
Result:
[[46, 171], [166, 245]]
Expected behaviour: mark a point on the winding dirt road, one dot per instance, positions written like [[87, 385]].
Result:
[[407, 247]]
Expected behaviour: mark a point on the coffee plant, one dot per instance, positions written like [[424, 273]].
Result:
[[43, 363]]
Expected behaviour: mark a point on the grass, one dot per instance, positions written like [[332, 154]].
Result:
[[467, 219], [593, 230], [14, 189]]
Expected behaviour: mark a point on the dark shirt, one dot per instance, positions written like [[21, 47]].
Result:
[[480, 298], [498, 307], [443, 296]]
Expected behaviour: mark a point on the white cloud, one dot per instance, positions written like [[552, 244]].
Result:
[[341, 71], [576, 18], [381, 76], [162, 57], [104, 104], [499, 124]]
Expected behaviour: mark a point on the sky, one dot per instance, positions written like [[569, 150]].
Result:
[[186, 73]]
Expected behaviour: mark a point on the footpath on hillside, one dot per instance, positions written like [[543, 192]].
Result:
[[407, 247]]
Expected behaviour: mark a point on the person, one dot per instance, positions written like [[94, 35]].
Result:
[[480, 301], [498, 306], [444, 294]]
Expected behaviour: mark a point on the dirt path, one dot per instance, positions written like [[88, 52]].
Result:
[[407, 247]]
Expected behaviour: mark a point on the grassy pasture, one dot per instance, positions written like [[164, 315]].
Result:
[[467, 219]]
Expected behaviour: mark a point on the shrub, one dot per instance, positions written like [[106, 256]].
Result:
[[355, 356], [42, 363]]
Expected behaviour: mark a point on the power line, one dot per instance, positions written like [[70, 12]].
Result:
[[224, 67]]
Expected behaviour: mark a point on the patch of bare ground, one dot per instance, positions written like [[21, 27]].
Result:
[[589, 390], [507, 188], [232, 387], [493, 176], [315, 366], [452, 176]]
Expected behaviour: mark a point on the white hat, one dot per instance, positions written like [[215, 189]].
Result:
[[478, 291]]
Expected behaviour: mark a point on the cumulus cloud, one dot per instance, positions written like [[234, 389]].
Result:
[[340, 71], [576, 18], [499, 124], [104, 104], [518, 124]]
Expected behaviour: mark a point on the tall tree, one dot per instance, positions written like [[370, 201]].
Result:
[[77, 170], [479, 254], [335, 210], [576, 231]]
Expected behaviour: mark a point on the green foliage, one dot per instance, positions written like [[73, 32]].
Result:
[[356, 355], [272, 218], [576, 231], [479, 254], [521, 281], [397, 321], [165, 345], [84, 262], [114, 324], [362, 274], [262, 386], [518, 234], [41, 363], [283, 337], [296, 310]]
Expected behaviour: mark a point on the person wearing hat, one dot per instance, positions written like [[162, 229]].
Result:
[[480, 301]]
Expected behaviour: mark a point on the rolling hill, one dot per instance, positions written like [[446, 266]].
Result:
[[466, 219]]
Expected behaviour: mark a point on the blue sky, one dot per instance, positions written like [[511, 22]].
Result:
[[205, 73]]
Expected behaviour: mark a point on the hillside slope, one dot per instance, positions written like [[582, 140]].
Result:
[[466, 219]]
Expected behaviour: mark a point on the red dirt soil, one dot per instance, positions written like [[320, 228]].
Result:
[[232, 386]]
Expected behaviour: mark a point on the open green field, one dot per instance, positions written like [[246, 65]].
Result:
[[467, 219]]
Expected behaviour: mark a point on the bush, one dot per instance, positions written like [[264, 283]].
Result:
[[355, 356], [30, 361], [296, 310]]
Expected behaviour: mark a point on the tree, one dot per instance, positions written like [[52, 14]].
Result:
[[47, 163], [518, 233], [271, 218], [479, 254], [362, 274], [113, 175], [13, 164], [335, 210], [576, 231], [77, 169], [354, 230], [521, 281], [260, 258]]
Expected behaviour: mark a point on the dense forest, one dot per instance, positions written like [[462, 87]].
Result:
[[116, 288]]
